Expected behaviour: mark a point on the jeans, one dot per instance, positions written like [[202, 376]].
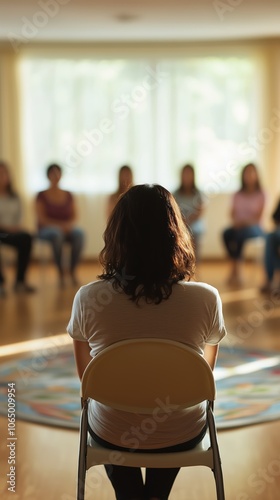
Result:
[[57, 238], [272, 253], [22, 242], [234, 239], [128, 482]]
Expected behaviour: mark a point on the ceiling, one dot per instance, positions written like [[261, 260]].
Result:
[[127, 20]]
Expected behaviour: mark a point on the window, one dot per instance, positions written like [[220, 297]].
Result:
[[92, 116]]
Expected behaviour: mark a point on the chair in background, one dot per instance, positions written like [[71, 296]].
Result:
[[43, 254], [254, 248], [7, 255], [172, 372], [254, 252]]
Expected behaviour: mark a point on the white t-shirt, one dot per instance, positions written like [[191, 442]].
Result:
[[10, 211], [101, 316]]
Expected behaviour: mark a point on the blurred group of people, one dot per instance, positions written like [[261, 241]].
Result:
[[247, 207], [56, 220], [56, 214]]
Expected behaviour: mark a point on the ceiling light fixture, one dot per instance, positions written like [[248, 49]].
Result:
[[126, 17]]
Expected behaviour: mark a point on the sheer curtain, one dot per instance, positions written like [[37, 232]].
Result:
[[93, 115], [9, 114]]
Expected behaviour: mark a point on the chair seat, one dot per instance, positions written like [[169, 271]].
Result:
[[200, 455], [8, 254], [254, 248], [135, 388]]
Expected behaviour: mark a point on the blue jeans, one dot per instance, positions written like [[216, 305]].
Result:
[[272, 253], [57, 238], [234, 239]]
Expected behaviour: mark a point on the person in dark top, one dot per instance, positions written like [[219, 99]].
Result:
[[56, 216], [272, 254]]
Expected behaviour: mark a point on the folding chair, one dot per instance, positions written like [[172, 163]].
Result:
[[137, 376]]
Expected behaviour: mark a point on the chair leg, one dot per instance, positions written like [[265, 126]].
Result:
[[217, 467], [218, 475], [217, 471], [81, 481], [82, 455]]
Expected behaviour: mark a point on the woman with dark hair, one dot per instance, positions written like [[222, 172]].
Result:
[[125, 181], [191, 203], [145, 291], [246, 212], [56, 215], [11, 232]]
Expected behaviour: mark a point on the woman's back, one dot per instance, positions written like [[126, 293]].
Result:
[[191, 315], [148, 260]]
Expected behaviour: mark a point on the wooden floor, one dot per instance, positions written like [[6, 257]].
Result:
[[46, 459]]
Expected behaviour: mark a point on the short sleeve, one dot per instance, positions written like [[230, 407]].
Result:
[[218, 329], [75, 327], [70, 197], [40, 196], [201, 198], [263, 199], [18, 214], [276, 214]]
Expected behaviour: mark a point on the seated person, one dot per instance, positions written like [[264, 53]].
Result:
[[272, 254], [125, 182], [191, 203], [56, 215], [148, 261], [12, 233], [246, 212]]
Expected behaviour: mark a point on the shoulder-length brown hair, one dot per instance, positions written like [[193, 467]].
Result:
[[243, 175], [147, 245], [194, 189]]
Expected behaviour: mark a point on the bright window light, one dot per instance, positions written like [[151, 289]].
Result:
[[93, 116]]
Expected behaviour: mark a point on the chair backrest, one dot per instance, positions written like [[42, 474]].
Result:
[[140, 375]]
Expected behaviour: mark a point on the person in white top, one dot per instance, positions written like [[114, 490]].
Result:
[[191, 202], [145, 291], [12, 232]]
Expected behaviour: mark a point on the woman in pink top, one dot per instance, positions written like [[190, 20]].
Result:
[[56, 214], [246, 211]]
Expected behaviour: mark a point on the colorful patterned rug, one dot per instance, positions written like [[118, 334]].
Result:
[[47, 388]]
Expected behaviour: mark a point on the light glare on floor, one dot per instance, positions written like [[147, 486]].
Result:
[[252, 366], [31, 345]]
